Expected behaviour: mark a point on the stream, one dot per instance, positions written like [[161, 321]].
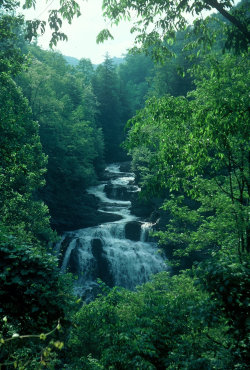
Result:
[[109, 251]]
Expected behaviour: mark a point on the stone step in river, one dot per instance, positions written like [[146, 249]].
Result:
[[117, 252]]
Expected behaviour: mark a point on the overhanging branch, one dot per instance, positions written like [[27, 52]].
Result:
[[229, 17]]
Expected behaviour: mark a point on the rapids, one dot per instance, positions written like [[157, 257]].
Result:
[[105, 251]]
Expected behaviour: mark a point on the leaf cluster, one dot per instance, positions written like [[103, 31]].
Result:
[[197, 147], [67, 10], [63, 102], [33, 298], [167, 323], [156, 23]]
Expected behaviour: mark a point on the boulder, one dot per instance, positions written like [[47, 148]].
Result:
[[73, 263], [141, 207], [102, 264], [101, 218], [118, 192], [133, 230], [125, 166]]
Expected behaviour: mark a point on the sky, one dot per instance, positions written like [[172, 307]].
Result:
[[83, 31]]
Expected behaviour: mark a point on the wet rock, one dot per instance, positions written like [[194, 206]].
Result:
[[125, 166], [85, 217], [117, 192], [97, 248], [73, 263], [133, 230], [101, 218], [75, 216], [141, 207], [103, 267]]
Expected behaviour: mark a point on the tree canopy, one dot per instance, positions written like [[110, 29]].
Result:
[[155, 22], [66, 10], [200, 147]]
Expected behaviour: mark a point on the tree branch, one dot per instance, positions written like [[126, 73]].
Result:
[[40, 336], [229, 17]]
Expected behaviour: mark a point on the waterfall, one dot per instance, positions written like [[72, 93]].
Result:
[[115, 252], [145, 228]]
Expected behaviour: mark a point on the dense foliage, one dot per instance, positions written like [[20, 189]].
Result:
[[169, 323], [22, 164], [155, 23], [65, 107], [112, 110], [199, 151], [194, 153]]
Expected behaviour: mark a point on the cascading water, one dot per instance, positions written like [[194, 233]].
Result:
[[104, 251]]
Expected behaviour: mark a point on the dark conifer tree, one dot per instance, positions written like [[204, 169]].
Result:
[[106, 88]]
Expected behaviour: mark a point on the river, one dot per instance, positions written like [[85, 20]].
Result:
[[106, 251]]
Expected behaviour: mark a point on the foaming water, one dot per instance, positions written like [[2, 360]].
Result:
[[104, 251]]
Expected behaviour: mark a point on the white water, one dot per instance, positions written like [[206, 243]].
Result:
[[120, 261]]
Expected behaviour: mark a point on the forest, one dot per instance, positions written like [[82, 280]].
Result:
[[175, 110]]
